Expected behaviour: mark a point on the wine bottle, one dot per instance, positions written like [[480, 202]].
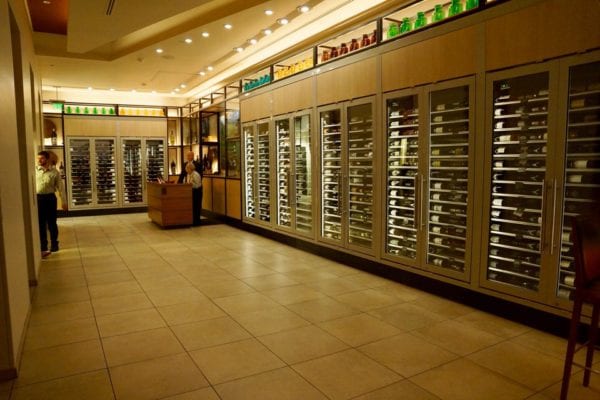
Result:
[[438, 13], [54, 137]]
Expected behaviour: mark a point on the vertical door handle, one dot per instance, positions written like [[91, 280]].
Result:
[[554, 190]]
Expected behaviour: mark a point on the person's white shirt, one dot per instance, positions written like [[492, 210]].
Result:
[[195, 179]]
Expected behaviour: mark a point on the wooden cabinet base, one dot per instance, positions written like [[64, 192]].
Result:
[[169, 204]]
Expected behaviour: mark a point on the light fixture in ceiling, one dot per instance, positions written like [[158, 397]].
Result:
[[253, 41], [210, 68], [183, 85], [205, 34], [133, 91], [227, 26], [90, 88], [268, 12], [188, 40], [267, 32], [202, 73], [283, 21], [176, 89], [304, 8], [159, 51], [112, 89], [238, 49]]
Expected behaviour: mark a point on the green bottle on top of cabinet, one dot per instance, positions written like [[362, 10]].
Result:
[[95, 110], [472, 4], [86, 110], [77, 110], [406, 25], [393, 30], [68, 109], [103, 110], [420, 21], [438, 13], [455, 8], [111, 111]]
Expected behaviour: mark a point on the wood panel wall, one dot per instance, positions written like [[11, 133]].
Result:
[[293, 97], [347, 82]]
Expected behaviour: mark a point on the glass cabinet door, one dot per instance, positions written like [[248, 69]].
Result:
[[249, 171], [448, 178], [105, 172], [518, 163], [264, 183], [331, 174], [132, 185], [80, 172], [303, 173], [582, 161], [402, 123], [155, 159], [284, 171], [360, 175]]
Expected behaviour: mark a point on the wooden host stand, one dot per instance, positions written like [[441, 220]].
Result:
[[170, 204]]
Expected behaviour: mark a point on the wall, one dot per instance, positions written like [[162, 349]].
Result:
[[17, 194]]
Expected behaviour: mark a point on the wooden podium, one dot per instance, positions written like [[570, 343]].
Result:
[[170, 204]]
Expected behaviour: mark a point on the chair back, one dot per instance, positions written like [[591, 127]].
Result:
[[585, 236]]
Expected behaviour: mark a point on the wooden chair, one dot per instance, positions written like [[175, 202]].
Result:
[[586, 248]]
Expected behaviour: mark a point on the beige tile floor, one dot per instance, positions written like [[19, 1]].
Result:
[[129, 311]]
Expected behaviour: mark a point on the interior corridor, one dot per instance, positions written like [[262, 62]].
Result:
[[126, 310]]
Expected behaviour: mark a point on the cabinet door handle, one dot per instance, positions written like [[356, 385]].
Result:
[[421, 200], [554, 190], [543, 235], [417, 220]]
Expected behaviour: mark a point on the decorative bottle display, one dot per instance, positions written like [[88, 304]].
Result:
[[132, 171], [406, 25], [393, 30], [54, 137], [155, 159], [173, 168], [250, 171], [518, 173], [420, 20], [284, 171], [264, 182], [171, 137], [582, 161], [455, 8], [402, 176], [81, 172], [448, 178], [438, 13], [471, 4]]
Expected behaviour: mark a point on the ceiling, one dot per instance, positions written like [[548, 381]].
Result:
[[99, 45]]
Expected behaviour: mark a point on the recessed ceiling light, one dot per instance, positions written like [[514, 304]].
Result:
[[47, 2], [282, 21], [304, 8], [112, 89], [227, 26], [154, 92], [89, 88], [267, 32], [210, 68], [182, 85], [188, 40], [239, 49], [159, 51], [202, 73], [269, 12], [205, 34], [177, 89], [172, 92], [252, 41], [133, 91]]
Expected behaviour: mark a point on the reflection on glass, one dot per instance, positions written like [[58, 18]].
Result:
[[303, 163], [520, 134], [132, 171], [402, 175]]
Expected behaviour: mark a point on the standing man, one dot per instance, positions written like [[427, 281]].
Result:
[[48, 182], [197, 192]]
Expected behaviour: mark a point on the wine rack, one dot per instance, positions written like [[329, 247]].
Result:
[[131, 150], [249, 171], [284, 171], [402, 174], [582, 162], [105, 172], [331, 174], [360, 175], [155, 159], [448, 178], [303, 174], [519, 147], [264, 181], [80, 165]]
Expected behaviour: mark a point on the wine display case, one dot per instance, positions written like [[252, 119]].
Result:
[[518, 179], [402, 225], [92, 172], [427, 172], [264, 173], [294, 192], [448, 212], [249, 138], [347, 161], [582, 163], [143, 160]]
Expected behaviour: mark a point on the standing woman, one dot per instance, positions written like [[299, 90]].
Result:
[[48, 183], [193, 177]]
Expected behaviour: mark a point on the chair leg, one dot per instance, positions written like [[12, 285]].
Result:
[[591, 345], [576, 315]]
